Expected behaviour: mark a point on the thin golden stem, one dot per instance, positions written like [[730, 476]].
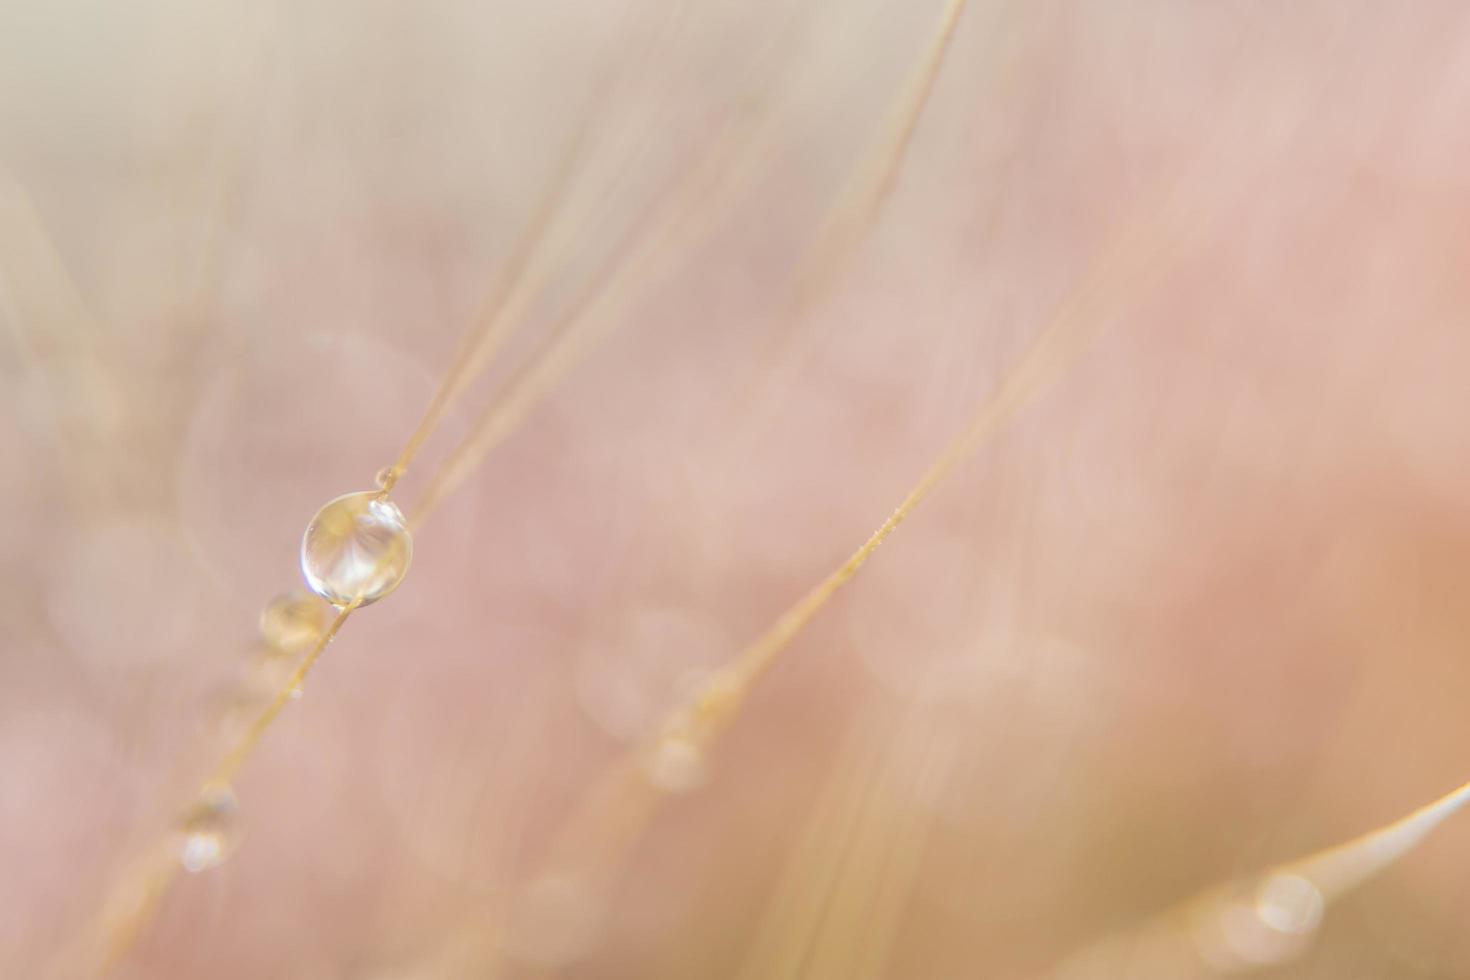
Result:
[[525, 272], [851, 218], [867, 191], [573, 336], [792, 914], [715, 183], [1239, 925], [142, 892], [57, 334], [626, 794], [132, 903], [128, 911], [715, 706], [1050, 354], [494, 327], [625, 797], [655, 235], [228, 766], [1337, 870], [852, 920]]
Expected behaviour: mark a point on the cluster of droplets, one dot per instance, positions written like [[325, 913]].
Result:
[[206, 833], [356, 550]]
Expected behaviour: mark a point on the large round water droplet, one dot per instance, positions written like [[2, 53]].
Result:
[[356, 548], [208, 830]]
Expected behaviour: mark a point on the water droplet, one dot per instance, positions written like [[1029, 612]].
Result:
[[226, 713], [1289, 903], [267, 673], [292, 622], [356, 547], [208, 831], [386, 478], [1251, 924], [675, 765]]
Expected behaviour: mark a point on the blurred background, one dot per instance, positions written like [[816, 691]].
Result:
[[1196, 611]]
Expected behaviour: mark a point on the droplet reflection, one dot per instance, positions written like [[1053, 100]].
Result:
[[291, 623], [675, 765], [1245, 927], [1289, 904], [208, 830]]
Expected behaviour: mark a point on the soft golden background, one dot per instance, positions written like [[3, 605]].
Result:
[[1199, 610]]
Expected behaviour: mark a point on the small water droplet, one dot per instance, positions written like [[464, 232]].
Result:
[[675, 765], [356, 548], [386, 478], [225, 714], [208, 830], [291, 622], [1290, 904], [1248, 924], [266, 673]]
